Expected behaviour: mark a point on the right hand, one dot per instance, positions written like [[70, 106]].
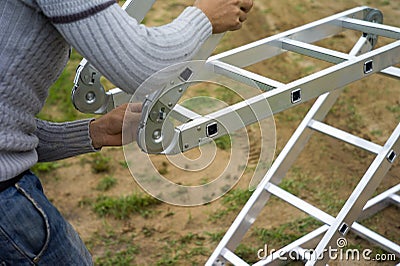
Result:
[[225, 15]]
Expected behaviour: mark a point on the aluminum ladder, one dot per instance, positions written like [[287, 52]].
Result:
[[359, 63]]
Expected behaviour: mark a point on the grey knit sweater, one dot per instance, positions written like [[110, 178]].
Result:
[[35, 40]]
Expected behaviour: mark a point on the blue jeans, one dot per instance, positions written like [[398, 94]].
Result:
[[33, 232]]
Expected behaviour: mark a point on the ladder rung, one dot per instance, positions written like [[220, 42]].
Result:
[[299, 203], [370, 27], [344, 136], [393, 72], [376, 238], [245, 76], [183, 114], [314, 51], [328, 55], [297, 243], [395, 198], [232, 257], [382, 197]]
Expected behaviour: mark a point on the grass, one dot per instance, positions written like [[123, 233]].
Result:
[[216, 236], [106, 183], [45, 167], [224, 142], [232, 201], [286, 233], [395, 109], [118, 258], [100, 163], [185, 248], [118, 249], [124, 206]]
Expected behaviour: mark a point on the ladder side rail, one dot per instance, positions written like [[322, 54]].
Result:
[[363, 191]]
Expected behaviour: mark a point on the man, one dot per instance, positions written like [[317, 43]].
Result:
[[35, 41]]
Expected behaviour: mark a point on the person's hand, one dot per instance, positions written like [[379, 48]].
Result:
[[225, 15], [107, 130]]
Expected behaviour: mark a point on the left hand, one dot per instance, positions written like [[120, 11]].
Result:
[[107, 130]]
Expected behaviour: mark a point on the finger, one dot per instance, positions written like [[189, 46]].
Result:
[[242, 16], [246, 5], [237, 26], [131, 123], [135, 107]]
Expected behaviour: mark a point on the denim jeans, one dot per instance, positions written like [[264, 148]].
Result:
[[33, 232]]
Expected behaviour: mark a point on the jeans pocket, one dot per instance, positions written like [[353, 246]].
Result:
[[25, 226]]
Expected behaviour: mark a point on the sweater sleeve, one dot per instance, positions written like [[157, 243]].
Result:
[[62, 140], [124, 51]]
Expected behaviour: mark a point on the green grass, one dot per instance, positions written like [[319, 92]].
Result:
[[100, 163], [286, 233], [123, 207], [45, 167], [395, 109], [216, 236], [247, 253], [186, 248], [119, 249], [232, 201], [118, 258], [224, 142], [106, 183]]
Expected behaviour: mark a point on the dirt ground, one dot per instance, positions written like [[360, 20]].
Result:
[[325, 173]]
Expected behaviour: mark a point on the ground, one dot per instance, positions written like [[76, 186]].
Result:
[[121, 225]]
